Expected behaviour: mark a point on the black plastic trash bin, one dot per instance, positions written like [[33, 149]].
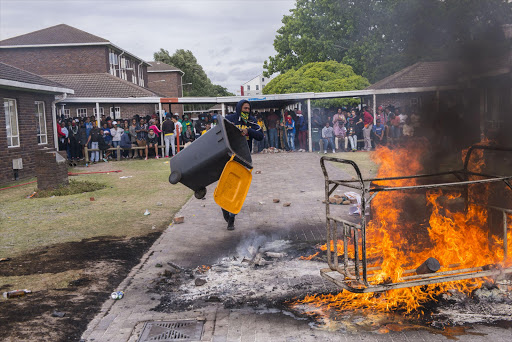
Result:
[[202, 162]]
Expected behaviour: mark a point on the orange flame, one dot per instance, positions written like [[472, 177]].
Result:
[[453, 237]]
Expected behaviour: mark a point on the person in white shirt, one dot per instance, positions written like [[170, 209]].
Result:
[[116, 133], [178, 128]]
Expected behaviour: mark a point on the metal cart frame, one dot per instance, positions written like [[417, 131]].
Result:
[[355, 278]]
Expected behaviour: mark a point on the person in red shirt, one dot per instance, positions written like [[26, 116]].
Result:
[[367, 130]]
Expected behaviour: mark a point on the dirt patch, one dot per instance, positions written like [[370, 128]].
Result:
[[102, 262]]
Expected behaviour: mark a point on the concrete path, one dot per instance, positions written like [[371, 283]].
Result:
[[203, 239]]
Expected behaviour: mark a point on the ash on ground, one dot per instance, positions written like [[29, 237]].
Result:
[[266, 274], [261, 272]]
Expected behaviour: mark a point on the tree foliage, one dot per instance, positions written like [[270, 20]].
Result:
[[318, 77], [379, 37], [194, 74]]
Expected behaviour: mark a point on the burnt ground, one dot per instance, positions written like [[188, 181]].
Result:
[[235, 283], [103, 261]]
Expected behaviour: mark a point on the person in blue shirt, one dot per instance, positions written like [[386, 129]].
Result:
[[249, 128], [379, 133], [290, 131]]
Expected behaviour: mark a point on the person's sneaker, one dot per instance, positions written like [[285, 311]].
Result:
[[166, 156], [157, 157], [105, 160], [231, 223], [333, 151], [146, 158], [325, 152]]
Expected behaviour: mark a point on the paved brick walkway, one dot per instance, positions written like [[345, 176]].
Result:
[[203, 239]]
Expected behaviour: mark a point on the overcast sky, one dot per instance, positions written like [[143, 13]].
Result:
[[230, 38]]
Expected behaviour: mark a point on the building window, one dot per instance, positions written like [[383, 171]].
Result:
[[134, 74], [263, 79], [102, 111], [115, 114], [114, 61], [81, 112], [41, 123], [11, 123], [257, 87], [248, 87], [141, 76], [122, 68], [64, 115]]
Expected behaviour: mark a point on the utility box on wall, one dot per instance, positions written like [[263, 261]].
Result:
[[51, 169]]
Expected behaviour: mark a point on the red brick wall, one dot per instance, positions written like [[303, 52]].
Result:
[[170, 87], [28, 133], [58, 60]]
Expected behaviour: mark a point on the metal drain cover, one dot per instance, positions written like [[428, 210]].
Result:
[[172, 331]]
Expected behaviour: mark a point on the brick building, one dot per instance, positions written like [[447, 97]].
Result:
[[167, 80], [26, 124], [109, 80]]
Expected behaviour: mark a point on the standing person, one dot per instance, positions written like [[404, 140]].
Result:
[[142, 136], [282, 131], [358, 119], [116, 132], [82, 140], [133, 136], [351, 133], [62, 132], [338, 125], [290, 131], [168, 132], [272, 120], [302, 127], [261, 123], [103, 145], [94, 139], [74, 142], [178, 128], [367, 130], [328, 137], [249, 128]]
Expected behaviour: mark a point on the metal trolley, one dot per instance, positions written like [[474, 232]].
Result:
[[354, 278]]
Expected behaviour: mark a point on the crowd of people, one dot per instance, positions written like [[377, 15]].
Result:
[[137, 138], [344, 129]]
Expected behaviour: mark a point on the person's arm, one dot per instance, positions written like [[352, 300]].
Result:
[[254, 131]]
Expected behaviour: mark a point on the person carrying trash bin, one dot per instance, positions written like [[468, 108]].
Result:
[[251, 130]]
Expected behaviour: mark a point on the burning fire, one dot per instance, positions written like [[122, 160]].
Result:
[[397, 242]]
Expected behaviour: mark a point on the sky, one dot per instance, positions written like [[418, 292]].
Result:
[[230, 38]]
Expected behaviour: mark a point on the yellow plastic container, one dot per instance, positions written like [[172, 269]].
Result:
[[233, 186]]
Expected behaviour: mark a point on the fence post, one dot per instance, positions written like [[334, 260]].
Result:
[[86, 152], [118, 153]]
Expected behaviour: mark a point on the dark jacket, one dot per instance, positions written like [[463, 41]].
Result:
[[126, 141], [253, 129], [168, 126]]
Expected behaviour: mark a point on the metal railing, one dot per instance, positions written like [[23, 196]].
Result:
[[355, 278]]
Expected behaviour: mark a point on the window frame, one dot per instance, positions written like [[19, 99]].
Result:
[[113, 113], [82, 114], [102, 111], [11, 136], [38, 115], [248, 87]]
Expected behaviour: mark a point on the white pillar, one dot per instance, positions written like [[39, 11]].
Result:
[[54, 122], [375, 109], [161, 122], [223, 109], [309, 127], [98, 114]]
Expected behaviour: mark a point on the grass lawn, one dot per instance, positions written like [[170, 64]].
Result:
[[117, 210]]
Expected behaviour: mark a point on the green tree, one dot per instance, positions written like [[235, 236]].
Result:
[[378, 37], [194, 74], [318, 77]]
